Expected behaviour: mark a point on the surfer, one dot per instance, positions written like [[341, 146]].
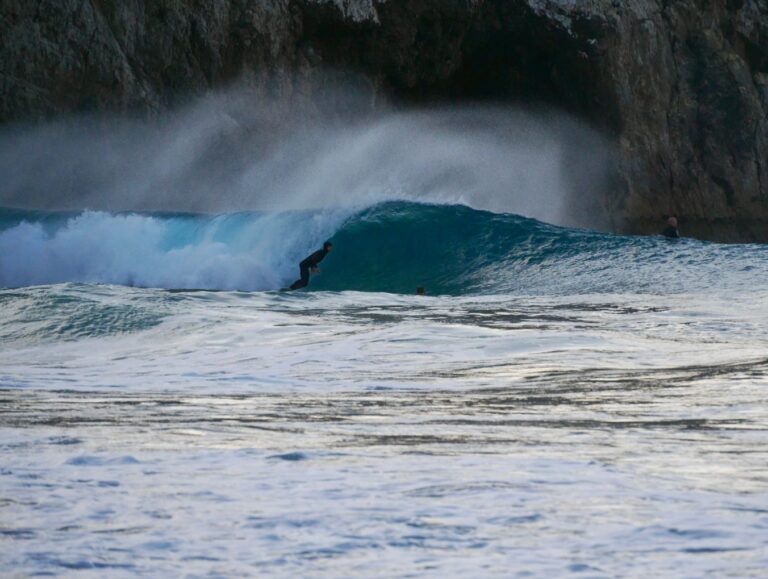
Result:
[[310, 264], [671, 230]]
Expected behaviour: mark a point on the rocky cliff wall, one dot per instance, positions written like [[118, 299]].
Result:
[[681, 86]]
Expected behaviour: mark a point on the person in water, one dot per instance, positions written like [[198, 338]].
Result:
[[310, 264], [671, 231]]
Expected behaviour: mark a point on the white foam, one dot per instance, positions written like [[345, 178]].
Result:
[[259, 253]]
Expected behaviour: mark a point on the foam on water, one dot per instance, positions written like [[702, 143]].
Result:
[[238, 251], [348, 433]]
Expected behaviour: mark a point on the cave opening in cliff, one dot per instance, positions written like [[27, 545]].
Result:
[[508, 55], [505, 52]]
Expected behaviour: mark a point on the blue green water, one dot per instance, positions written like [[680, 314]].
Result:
[[561, 402], [391, 247]]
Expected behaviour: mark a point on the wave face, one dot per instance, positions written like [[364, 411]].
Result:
[[391, 247]]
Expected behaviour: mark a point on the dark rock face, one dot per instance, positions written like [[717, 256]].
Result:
[[682, 86]]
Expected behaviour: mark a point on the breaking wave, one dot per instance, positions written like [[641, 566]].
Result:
[[389, 247]]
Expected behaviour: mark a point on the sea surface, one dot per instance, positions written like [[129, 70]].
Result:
[[561, 402]]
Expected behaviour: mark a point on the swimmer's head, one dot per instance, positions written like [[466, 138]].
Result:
[[672, 221]]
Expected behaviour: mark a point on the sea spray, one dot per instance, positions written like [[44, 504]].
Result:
[[229, 153]]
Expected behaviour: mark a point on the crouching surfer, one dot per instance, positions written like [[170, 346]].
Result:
[[310, 264]]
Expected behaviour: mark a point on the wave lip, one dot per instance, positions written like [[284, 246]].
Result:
[[390, 247]]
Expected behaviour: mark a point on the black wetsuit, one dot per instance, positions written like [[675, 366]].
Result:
[[671, 232], [306, 265]]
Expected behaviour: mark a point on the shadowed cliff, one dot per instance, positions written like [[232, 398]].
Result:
[[681, 87]]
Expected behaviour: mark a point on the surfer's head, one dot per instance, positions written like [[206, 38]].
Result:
[[672, 221], [327, 246]]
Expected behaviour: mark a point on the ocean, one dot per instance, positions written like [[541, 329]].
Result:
[[561, 401]]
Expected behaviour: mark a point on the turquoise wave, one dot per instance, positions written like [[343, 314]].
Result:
[[391, 247], [397, 247]]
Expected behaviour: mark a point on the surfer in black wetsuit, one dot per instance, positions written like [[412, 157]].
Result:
[[671, 231], [310, 264]]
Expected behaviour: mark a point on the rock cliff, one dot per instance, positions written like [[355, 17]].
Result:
[[680, 85]]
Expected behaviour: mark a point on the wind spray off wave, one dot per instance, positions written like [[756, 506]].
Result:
[[273, 187], [229, 153]]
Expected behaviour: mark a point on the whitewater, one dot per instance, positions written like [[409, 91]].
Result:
[[561, 401]]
